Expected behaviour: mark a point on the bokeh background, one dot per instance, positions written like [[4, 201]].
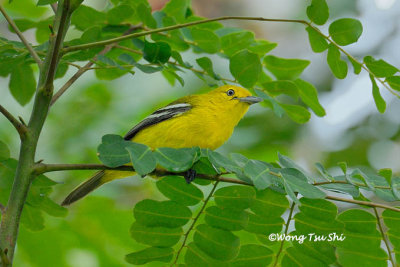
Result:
[[96, 230]]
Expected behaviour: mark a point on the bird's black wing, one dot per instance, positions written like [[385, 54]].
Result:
[[158, 116]]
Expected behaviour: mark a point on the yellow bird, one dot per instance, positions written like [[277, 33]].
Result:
[[204, 120]]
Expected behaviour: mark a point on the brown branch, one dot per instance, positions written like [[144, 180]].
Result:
[[21, 128], [21, 36], [366, 203]]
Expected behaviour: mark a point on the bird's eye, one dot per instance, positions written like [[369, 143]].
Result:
[[230, 92]]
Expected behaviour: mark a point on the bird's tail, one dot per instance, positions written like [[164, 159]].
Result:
[[98, 179]]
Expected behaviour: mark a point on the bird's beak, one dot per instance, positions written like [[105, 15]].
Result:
[[250, 99]]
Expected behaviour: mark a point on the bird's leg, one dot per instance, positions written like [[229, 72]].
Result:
[[190, 175]]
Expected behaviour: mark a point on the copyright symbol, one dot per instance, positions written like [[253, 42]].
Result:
[[272, 237]]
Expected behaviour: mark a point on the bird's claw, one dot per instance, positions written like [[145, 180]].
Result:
[[190, 175]]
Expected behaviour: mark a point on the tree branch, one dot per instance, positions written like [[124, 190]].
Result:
[[194, 222], [43, 168], [170, 28], [21, 128], [384, 237], [286, 231], [21, 36], [366, 203], [85, 68]]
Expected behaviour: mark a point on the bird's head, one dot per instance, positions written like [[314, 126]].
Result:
[[234, 96]]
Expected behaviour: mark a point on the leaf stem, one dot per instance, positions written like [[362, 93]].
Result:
[[21, 36], [21, 128], [366, 203], [286, 231], [194, 221], [384, 237]]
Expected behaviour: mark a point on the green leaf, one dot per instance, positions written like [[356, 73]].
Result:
[[271, 103], [112, 151], [119, 14], [345, 31], [159, 52], [309, 95], [264, 226], [177, 160], [206, 64], [252, 255], [236, 41], [386, 173], [304, 188], [218, 244], [176, 189], [154, 213], [395, 183], [4, 151], [150, 254], [177, 9], [32, 218], [363, 240], [296, 113], [269, 203], [319, 209], [245, 66], [356, 65], [337, 66], [85, 17], [379, 68], [317, 42], [52, 208], [226, 219], [285, 69], [392, 221], [276, 88], [259, 174], [206, 40], [262, 47], [144, 13], [394, 82], [379, 101], [220, 161], [144, 68], [142, 158], [293, 257], [234, 197], [156, 236], [195, 257], [318, 12], [22, 84], [62, 69], [45, 2]]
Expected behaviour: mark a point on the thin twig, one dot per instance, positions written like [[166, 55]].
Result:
[[356, 184], [384, 237], [194, 222], [85, 68], [174, 27], [359, 202], [21, 36], [21, 128], [286, 231]]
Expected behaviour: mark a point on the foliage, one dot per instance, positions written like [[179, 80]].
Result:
[[210, 222]]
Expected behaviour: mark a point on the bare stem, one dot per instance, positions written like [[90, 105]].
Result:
[[384, 237], [21, 36], [366, 203], [21, 128], [194, 222], [286, 231]]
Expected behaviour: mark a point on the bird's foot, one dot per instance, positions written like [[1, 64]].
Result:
[[190, 175]]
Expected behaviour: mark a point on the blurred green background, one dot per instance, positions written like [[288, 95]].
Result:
[[96, 230]]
